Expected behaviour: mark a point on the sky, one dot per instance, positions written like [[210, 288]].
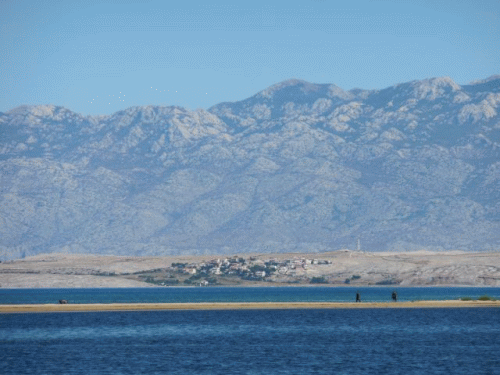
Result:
[[99, 57]]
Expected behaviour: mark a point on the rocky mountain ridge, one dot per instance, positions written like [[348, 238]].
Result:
[[297, 167]]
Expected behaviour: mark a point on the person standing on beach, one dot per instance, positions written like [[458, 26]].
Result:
[[358, 297], [394, 296]]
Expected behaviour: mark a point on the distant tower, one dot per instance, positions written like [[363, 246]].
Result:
[[358, 247]]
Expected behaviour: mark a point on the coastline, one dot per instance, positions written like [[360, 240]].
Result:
[[38, 308], [256, 285]]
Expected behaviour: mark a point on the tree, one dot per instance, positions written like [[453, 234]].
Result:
[[319, 280]]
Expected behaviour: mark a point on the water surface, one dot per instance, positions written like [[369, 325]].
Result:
[[343, 341], [238, 294]]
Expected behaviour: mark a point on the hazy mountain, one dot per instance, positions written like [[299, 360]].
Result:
[[296, 167]]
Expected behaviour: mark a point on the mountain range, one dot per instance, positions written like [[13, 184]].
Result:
[[298, 167]]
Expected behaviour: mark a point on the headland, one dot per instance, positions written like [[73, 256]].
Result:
[[336, 268]]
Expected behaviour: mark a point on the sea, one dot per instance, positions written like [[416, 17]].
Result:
[[301, 341]]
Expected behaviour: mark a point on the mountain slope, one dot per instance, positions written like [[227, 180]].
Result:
[[296, 167]]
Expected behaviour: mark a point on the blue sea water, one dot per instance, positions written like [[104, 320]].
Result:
[[238, 294], [316, 341], [367, 341]]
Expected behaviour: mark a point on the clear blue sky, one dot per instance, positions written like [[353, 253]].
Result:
[[97, 57]]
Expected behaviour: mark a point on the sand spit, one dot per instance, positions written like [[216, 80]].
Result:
[[241, 306]]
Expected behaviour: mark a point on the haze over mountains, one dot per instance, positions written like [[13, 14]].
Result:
[[297, 167]]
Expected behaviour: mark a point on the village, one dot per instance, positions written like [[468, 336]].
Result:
[[238, 270]]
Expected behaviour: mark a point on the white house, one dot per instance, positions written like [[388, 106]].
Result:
[[260, 273]]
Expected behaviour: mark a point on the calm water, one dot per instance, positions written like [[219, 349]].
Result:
[[371, 341], [226, 294]]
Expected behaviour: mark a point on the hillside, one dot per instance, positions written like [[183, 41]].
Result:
[[298, 167], [337, 268]]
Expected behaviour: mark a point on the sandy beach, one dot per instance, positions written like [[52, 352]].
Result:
[[240, 306]]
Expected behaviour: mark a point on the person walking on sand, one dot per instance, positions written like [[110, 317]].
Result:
[[394, 296], [358, 297]]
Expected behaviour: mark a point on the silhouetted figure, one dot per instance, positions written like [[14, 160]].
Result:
[[358, 297], [63, 301], [394, 296]]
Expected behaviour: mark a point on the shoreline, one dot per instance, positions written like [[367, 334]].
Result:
[[268, 285], [276, 285], [96, 307]]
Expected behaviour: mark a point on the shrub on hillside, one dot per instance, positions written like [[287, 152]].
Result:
[[318, 280]]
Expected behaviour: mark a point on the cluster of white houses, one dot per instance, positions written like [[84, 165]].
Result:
[[248, 269]]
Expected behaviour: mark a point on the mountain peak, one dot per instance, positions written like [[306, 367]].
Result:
[[304, 86], [432, 88], [486, 80], [42, 110]]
